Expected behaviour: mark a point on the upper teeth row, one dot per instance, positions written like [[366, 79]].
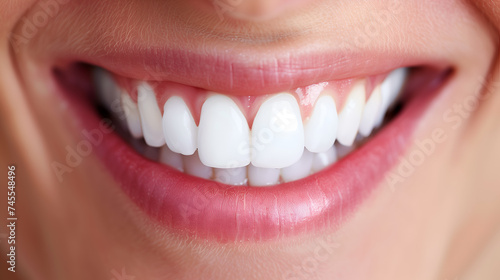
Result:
[[278, 136]]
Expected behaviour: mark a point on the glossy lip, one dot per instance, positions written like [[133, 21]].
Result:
[[211, 210]]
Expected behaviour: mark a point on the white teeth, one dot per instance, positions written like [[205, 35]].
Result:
[[279, 148], [150, 116], [223, 134], [179, 128], [323, 160], [389, 90], [277, 133], [298, 170], [132, 115], [397, 79], [193, 166], [321, 129], [350, 116], [231, 176], [370, 113], [258, 176], [171, 159]]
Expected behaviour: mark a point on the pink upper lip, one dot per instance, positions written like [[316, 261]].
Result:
[[252, 73]]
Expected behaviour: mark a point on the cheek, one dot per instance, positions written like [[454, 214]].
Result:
[[490, 8], [12, 13]]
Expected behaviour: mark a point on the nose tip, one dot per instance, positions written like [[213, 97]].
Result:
[[254, 9]]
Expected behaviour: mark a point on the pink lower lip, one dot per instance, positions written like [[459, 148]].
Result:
[[214, 211]]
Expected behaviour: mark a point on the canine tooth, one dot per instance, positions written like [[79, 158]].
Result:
[[132, 115], [277, 133], [150, 116], [170, 158], [223, 134], [390, 89], [298, 170], [350, 116], [193, 166], [179, 128], [231, 176], [321, 129], [258, 176], [370, 112], [323, 160]]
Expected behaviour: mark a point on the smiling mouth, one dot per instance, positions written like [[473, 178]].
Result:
[[259, 140], [251, 167]]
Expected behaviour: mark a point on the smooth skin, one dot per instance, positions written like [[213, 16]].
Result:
[[440, 221]]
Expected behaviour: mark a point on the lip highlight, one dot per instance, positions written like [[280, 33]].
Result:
[[211, 210]]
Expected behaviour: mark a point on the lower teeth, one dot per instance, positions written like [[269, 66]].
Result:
[[250, 175]]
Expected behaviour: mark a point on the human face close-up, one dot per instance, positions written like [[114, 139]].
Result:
[[250, 139]]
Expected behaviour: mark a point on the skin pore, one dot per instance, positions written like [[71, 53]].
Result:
[[441, 221]]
